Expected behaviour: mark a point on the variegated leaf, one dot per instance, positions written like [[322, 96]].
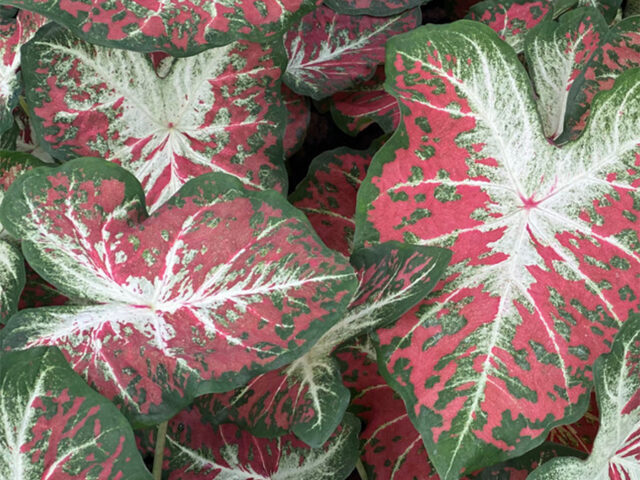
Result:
[[220, 284], [298, 116], [327, 195], [556, 53], [546, 251], [375, 8], [329, 52], [177, 27], [356, 108], [307, 396], [54, 427], [616, 450], [216, 111], [13, 34], [619, 51], [197, 449]]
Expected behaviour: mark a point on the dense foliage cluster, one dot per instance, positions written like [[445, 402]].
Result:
[[458, 300]]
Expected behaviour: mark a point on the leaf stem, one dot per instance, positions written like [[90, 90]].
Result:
[[158, 455], [361, 471]]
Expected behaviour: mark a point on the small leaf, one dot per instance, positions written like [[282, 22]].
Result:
[[330, 52], [220, 284], [218, 111], [56, 427], [179, 28], [615, 453]]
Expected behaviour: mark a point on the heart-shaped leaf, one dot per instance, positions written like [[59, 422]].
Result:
[[197, 449], [216, 111], [546, 251], [308, 396], [616, 450], [220, 284], [55, 427], [327, 195], [556, 53], [176, 27], [356, 108], [14, 34], [329, 52]]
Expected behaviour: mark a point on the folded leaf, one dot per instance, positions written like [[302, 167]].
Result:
[[616, 452], [55, 427], [220, 284], [545, 240], [330, 52], [218, 111], [177, 27]]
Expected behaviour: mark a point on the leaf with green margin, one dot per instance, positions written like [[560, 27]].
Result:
[[307, 396], [616, 450], [618, 52], [374, 8], [545, 241], [329, 52], [354, 109], [298, 116], [220, 284], [197, 449], [14, 34], [219, 111], [327, 195], [56, 427], [177, 27], [556, 53]]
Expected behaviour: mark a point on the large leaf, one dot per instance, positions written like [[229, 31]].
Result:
[[177, 27], [546, 251], [619, 51], [616, 450], [220, 284], [329, 52], [556, 54], [327, 195], [197, 449], [356, 108], [216, 111], [13, 34], [307, 396], [55, 427]]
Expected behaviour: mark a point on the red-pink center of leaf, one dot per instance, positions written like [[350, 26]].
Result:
[[529, 203]]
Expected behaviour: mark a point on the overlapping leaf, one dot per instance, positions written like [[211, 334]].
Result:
[[308, 396], [217, 111], [55, 427], [177, 27], [356, 108], [545, 240], [298, 116], [329, 52], [13, 34], [375, 8], [327, 195], [220, 284], [197, 449], [616, 451], [556, 53]]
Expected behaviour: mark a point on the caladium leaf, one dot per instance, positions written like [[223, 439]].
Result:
[[327, 195], [298, 116], [374, 8], [619, 51], [13, 34], [217, 111], [556, 53], [329, 52], [56, 427], [308, 396], [356, 108], [197, 449], [175, 27], [546, 252], [616, 453], [220, 284]]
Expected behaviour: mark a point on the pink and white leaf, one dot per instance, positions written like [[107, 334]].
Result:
[[219, 111]]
